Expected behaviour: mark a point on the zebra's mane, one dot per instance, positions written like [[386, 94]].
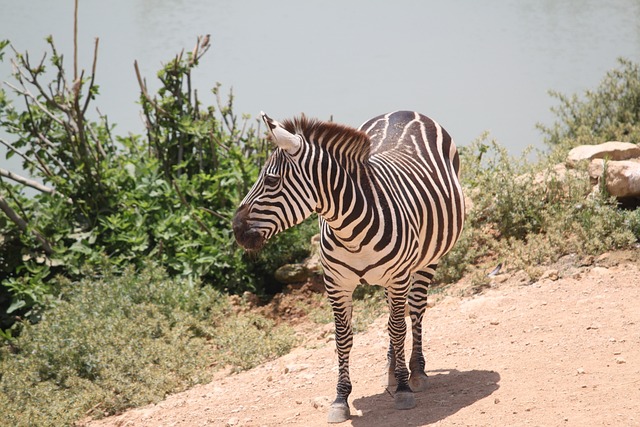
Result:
[[338, 139]]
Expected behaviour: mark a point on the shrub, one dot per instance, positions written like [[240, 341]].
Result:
[[521, 213], [521, 216], [120, 341], [169, 195], [611, 112]]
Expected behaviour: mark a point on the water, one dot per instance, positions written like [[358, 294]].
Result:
[[471, 65]]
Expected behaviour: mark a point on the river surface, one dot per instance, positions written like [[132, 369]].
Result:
[[472, 65]]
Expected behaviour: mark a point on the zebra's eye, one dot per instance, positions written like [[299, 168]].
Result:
[[271, 180]]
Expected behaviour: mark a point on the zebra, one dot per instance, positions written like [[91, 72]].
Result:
[[390, 205]]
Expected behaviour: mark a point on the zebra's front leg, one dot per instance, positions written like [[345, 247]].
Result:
[[342, 305], [404, 398], [417, 305]]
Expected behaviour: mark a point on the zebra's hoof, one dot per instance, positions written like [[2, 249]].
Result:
[[338, 413], [418, 382], [405, 400]]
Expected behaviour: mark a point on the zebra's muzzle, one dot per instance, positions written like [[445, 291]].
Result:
[[251, 239]]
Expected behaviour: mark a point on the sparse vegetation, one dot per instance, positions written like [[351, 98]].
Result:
[[112, 342], [609, 113], [522, 214]]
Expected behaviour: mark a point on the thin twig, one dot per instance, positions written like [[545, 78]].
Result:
[[26, 181], [216, 214], [22, 155], [22, 225], [143, 89], [201, 224], [27, 94], [75, 40], [94, 67]]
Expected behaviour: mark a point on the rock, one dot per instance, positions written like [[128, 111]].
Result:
[[251, 299], [292, 368], [612, 150], [621, 178], [551, 274], [321, 402], [586, 261], [292, 273], [312, 263]]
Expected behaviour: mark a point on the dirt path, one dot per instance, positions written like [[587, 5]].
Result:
[[559, 352]]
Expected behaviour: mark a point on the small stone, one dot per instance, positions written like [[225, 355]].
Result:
[[620, 360], [494, 322], [233, 421], [295, 368], [551, 274], [580, 371], [251, 299], [496, 401], [291, 273], [321, 402]]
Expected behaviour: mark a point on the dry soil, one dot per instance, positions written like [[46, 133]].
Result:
[[561, 351]]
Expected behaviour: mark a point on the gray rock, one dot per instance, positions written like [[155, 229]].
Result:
[[292, 273], [621, 178], [612, 150]]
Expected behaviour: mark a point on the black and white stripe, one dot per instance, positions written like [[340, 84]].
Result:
[[390, 206]]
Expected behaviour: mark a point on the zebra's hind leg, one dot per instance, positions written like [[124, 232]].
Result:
[[417, 306], [390, 380], [396, 298], [342, 305]]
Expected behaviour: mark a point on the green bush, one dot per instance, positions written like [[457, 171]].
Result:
[[522, 212], [610, 113], [120, 341], [110, 201], [523, 215]]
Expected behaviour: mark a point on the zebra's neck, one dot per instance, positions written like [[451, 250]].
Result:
[[350, 203]]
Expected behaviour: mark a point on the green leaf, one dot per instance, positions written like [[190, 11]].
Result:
[[16, 305]]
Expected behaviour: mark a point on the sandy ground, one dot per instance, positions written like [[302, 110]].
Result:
[[562, 351]]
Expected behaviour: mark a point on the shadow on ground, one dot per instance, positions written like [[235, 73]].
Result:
[[447, 393]]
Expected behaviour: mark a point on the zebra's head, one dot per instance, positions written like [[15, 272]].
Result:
[[281, 197]]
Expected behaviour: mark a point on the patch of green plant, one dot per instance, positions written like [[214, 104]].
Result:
[[611, 112], [115, 342], [169, 194], [525, 214], [247, 340]]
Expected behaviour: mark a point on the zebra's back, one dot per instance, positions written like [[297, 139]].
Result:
[[414, 167], [411, 133]]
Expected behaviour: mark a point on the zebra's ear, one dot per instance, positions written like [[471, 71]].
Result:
[[281, 137]]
